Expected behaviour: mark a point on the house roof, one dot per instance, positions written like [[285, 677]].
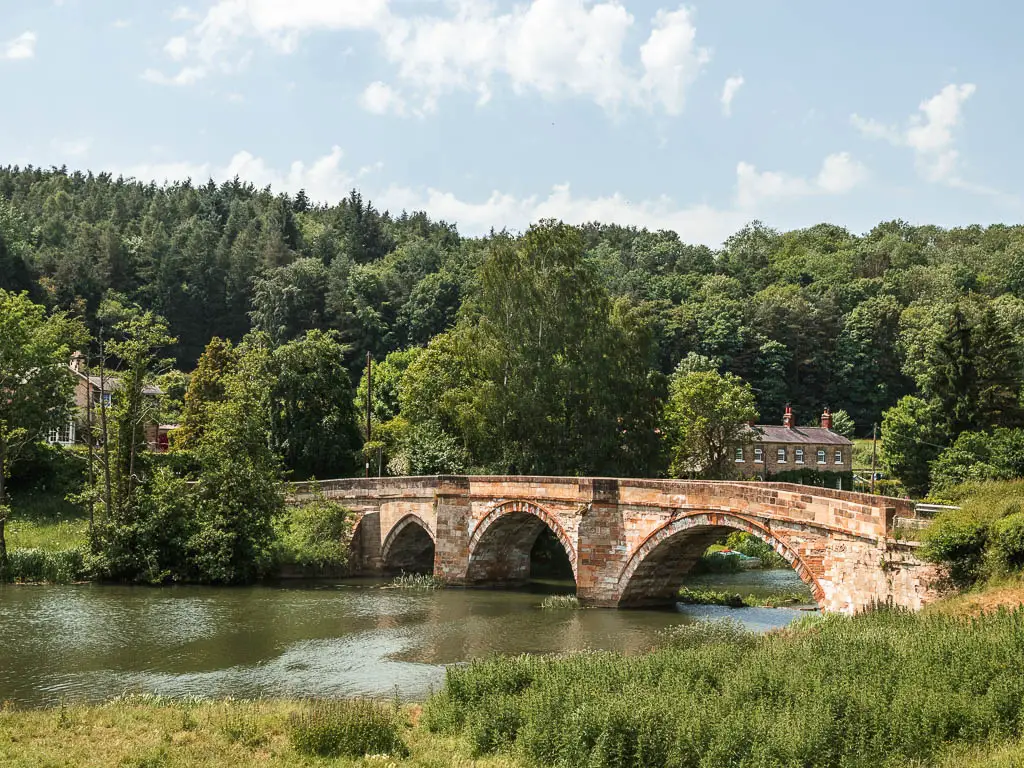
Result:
[[113, 384], [773, 433]]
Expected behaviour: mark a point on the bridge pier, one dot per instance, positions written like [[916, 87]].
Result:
[[631, 542]]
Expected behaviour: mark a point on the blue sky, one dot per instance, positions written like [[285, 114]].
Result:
[[495, 114]]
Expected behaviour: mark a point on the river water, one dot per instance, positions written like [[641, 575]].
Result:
[[340, 638]]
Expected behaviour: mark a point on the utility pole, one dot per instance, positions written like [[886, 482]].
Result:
[[874, 450], [369, 399]]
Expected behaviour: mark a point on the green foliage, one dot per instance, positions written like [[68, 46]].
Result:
[[842, 424], [911, 440], [751, 546], [416, 581], [981, 538], [205, 386], [979, 456], [350, 728], [312, 418], [706, 418], [314, 536], [239, 492], [35, 383], [884, 688], [560, 603], [62, 566]]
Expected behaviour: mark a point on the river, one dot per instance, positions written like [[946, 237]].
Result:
[[339, 638]]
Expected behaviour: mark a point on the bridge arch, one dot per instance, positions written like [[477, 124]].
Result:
[[500, 544], [408, 547], [656, 569]]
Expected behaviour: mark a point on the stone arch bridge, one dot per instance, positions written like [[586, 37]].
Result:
[[630, 542]]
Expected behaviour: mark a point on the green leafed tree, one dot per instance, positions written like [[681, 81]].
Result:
[[706, 418], [205, 386], [312, 417], [36, 385], [913, 434]]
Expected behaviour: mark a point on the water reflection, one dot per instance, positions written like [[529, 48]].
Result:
[[326, 639]]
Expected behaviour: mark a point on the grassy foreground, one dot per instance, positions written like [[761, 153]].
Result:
[[154, 733]]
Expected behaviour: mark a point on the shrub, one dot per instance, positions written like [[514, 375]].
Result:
[[1008, 541], [352, 728], [314, 535], [959, 542]]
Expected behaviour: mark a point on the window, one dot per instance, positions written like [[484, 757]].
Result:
[[759, 455], [799, 455], [821, 456], [739, 455], [63, 435], [839, 456], [781, 458], [839, 484]]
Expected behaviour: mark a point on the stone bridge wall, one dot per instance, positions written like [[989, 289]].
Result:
[[631, 542]]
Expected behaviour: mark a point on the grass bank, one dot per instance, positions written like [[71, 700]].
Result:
[[884, 689], [154, 733]]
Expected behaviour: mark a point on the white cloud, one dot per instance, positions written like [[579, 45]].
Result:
[[839, 174], [380, 99], [187, 76], [177, 48], [929, 133], [121, 24], [75, 148], [21, 47], [729, 91], [325, 180], [556, 48], [672, 59]]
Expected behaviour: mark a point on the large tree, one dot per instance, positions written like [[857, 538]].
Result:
[[312, 417], [36, 384], [706, 418]]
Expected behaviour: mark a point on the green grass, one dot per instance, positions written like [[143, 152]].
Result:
[[50, 536], [561, 603], [416, 581], [702, 596], [882, 690], [146, 732]]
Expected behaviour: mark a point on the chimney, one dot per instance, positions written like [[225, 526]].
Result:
[[78, 362], [787, 418], [826, 419]]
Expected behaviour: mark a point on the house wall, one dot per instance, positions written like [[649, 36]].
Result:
[[749, 468]]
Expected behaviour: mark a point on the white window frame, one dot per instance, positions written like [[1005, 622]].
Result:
[[759, 455], [63, 435], [798, 455], [822, 456], [839, 456], [739, 456], [781, 455]]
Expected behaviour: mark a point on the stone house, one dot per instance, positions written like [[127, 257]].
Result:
[[89, 387], [812, 455]]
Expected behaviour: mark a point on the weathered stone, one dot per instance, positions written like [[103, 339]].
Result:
[[631, 542]]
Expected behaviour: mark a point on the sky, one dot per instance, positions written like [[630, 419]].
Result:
[[697, 118]]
